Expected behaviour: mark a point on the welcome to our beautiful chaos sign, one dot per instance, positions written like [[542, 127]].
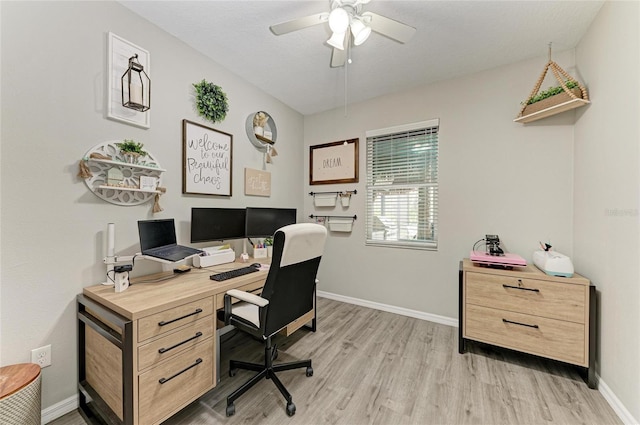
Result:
[[207, 156]]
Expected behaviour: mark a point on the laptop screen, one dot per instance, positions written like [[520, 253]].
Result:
[[156, 233]]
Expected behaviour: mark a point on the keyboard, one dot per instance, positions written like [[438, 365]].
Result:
[[219, 277]]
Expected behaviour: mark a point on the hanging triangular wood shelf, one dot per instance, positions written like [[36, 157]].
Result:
[[566, 100]]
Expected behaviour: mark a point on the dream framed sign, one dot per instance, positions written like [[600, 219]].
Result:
[[335, 162]]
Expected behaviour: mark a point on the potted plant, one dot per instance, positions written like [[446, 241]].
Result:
[[551, 97], [268, 242], [131, 151]]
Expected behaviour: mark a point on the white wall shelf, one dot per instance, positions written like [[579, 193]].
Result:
[[130, 194]]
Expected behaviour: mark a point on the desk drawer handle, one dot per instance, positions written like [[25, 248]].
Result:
[[198, 310], [164, 350], [522, 289], [163, 380], [521, 324]]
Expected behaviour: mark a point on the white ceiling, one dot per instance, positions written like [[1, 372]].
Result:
[[453, 38]]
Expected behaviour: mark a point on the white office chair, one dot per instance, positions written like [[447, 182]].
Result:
[[287, 295]]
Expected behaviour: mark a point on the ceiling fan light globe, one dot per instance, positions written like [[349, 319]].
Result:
[[337, 40], [338, 20], [360, 31]]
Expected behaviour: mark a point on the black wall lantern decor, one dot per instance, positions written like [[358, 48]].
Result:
[[136, 86]]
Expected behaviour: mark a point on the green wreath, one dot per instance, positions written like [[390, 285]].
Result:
[[211, 101]]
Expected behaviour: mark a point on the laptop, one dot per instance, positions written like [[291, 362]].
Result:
[[158, 239]]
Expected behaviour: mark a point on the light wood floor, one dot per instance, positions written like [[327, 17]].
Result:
[[372, 367]]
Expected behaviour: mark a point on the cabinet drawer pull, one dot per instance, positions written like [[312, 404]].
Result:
[[164, 350], [163, 380], [522, 289], [521, 324], [198, 310]]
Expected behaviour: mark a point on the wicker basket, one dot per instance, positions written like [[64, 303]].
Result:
[[551, 101]]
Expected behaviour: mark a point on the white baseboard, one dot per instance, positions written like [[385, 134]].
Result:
[[625, 416], [59, 409], [443, 320], [615, 403]]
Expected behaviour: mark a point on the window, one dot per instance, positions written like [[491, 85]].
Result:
[[402, 186]]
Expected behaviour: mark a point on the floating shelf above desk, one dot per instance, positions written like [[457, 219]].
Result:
[[130, 193], [126, 164]]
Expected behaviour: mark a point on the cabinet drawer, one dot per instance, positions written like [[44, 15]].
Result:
[[167, 320], [254, 287], [174, 343], [560, 301], [186, 376], [550, 338]]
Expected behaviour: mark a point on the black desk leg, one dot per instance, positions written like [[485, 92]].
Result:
[[461, 340]]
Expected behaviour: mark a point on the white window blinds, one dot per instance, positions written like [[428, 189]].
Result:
[[402, 186]]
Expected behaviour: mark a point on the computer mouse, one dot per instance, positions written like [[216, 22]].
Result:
[[256, 265]]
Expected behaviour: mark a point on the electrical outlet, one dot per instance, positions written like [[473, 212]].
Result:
[[41, 356]]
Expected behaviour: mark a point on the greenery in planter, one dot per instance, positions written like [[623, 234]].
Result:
[[268, 241], [551, 91], [211, 101], [129, 146]]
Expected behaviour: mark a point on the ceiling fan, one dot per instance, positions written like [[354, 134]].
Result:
[[349, 24]]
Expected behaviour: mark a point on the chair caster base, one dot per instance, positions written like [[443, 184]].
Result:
[[231, 409], [291, 409], [232, 372], [309, 371]]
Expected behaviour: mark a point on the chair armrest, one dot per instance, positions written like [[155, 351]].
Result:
[[248, 297]]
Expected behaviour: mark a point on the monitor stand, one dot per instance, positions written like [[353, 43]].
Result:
[[244, 256]]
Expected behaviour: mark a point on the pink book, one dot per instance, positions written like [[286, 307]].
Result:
[[508, 259]]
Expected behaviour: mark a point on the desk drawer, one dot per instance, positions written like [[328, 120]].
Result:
[[168, 320], [254, 287], [554, 300], [550, 338], [186, 377], [174, 343]]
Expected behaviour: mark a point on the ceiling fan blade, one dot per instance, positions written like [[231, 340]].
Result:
[[388, 27], [299, 23], [338, 58]]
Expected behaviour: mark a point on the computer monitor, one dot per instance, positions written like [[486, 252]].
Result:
[[217, 224], [263, 222]]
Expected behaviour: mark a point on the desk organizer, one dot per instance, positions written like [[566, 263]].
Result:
[[214, 257], [259, 252]]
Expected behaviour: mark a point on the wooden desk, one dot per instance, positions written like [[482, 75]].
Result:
[[149, 351]]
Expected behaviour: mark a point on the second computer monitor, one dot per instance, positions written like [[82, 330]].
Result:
[[263, 222]]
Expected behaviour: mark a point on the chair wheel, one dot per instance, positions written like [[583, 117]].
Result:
[[309, 371], [231, 409], [291, 409], [232, 372]]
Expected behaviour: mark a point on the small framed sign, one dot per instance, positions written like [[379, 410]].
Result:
[[207, 156], [257, 182], [148, 183], [335, 162]]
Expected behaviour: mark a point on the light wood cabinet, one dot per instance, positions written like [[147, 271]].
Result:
[[526, 310]]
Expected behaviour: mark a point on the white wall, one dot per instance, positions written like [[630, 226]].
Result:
[[53, 87], [496, 176], [607, 183]]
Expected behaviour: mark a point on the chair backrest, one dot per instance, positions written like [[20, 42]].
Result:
[[290, 284]]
